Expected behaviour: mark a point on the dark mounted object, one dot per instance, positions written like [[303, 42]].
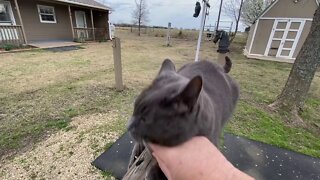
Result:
[[224, 41], [247, 29], [197, 10]]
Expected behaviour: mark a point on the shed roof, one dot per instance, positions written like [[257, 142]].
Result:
[[88, 3], [273, 3], [266, 10]]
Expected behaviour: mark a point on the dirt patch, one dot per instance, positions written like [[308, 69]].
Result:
[[66, 154]]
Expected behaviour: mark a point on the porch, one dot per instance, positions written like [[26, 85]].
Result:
[[52, 44], [88, 24], [90, 34]]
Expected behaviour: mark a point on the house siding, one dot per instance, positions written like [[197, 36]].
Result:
[[37, 31], [61, 30], [287, 8], [262, 36]]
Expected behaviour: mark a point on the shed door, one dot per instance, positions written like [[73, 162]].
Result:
[[284, 38]]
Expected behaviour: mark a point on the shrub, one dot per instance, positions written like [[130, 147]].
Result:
[[180, 33], [9, 47]]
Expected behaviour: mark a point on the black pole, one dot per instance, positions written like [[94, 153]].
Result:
[[218, 22]]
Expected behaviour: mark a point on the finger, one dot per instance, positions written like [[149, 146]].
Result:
[[163, 166]]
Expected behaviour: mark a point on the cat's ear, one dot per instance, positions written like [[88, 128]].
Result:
[[190, 94], [167, 66]]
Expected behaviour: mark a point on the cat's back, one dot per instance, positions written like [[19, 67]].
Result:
[[206, 69], [216, 83]]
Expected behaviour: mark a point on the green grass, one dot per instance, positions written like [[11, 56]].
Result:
[[268, 127], [106, 175]]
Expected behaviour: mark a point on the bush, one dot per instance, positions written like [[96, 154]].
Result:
[[180, 34], [9, 47]]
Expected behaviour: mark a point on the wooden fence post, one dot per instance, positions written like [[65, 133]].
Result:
[[117, 63]]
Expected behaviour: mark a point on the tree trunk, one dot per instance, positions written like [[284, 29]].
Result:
[[140, 17], [237, 22], [139, 28], [302, 73]]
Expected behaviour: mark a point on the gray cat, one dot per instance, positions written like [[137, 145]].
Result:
[[195, 101]]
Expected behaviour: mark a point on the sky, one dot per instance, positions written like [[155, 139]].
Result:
[[178, 12]]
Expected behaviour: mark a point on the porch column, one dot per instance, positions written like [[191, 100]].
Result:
[[71, 22], [92, 24], [21, 22]]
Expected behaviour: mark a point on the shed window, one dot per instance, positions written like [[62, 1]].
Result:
[[47, 14]]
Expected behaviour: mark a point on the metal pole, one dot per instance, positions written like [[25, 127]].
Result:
[[168, 35], [203, 21], [217, 27]]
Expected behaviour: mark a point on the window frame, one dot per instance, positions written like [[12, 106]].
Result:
[[13, 20], [54, 14]]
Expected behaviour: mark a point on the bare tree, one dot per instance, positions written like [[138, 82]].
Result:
[[303, 71], [140, 14], [251, 10], [232, 8]]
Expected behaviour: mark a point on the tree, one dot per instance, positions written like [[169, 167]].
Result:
[[140, 14], [251, 10], [232, 8], [294, 94]]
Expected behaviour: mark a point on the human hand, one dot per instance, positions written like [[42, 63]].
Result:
[[195, 159]]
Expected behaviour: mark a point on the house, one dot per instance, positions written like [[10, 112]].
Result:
[[280, 31], [33, 21]]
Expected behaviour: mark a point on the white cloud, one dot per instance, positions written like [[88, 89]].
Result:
[[179, 12]]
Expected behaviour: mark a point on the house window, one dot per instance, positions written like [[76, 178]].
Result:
[[47, 14], [5, 13]]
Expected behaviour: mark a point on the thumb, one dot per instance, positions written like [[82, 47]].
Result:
[[163, 166]]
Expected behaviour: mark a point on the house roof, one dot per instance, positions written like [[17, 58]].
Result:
[[88, 3]]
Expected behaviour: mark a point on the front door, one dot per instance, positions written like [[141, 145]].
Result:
[[7, 20], [284, 38], [81, 23]]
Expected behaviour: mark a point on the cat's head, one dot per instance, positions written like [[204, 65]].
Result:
[[165, 113]]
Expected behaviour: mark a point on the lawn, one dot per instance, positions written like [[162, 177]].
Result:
[[59, 110]]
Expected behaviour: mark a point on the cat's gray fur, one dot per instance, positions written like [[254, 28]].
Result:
[[195, 101]]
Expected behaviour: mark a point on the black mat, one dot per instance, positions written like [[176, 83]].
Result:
[[64, 49], [257, 159]]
